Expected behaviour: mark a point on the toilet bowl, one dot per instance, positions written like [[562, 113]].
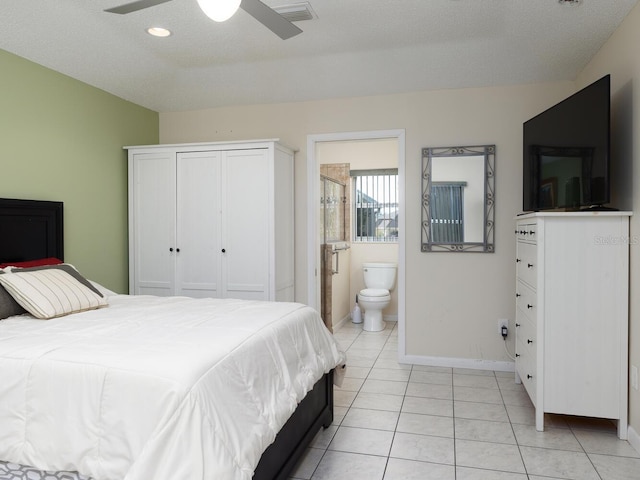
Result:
[[378, 279], [373, 301]]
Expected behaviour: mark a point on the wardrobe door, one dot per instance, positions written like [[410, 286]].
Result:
[[246, 224], [152, 222], [198, 224]]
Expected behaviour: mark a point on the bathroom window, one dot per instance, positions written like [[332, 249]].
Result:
[[375, 194]]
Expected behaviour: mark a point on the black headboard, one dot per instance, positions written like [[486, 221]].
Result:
[[30, 229]]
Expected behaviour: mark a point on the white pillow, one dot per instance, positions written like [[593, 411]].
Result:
[[50, 293]]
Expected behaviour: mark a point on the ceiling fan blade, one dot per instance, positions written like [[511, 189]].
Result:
[[135, 6], [270, 18]]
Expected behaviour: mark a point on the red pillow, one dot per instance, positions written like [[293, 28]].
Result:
[[33, 263]]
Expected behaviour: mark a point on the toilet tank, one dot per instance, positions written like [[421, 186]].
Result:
[[379, 275]]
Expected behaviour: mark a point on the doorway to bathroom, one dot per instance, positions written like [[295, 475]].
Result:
[[334, 263]]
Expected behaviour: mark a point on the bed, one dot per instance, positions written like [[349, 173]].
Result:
[[151, 387]]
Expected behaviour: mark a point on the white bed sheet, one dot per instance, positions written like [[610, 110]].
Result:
[[157, 388]]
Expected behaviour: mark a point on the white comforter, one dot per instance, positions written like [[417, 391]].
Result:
[[157, 388]]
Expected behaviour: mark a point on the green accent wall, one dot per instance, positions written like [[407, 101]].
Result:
[[61, 140]]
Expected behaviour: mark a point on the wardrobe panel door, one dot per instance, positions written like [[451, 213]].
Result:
[[153, 223], [198, 224], [246, 226]]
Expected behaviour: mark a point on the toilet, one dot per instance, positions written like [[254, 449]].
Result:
[[378, 280]]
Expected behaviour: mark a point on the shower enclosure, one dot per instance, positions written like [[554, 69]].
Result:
[[334, 227]]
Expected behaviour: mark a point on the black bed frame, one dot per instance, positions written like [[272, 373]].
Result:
[[30, 229], [314, 411], [33, 229]]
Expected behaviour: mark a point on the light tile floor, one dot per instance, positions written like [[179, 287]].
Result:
[[406, 422]]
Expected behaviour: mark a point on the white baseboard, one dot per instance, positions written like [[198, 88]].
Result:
[[459, 363], [633, 438], [386, 318], [337, 326]]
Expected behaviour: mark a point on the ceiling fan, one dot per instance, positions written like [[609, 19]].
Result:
[[221, 10]]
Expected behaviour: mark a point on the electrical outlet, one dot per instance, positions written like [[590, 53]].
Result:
[[502, 322], [634, 377]]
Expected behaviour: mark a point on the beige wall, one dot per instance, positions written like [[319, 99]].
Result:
[[620, 57], [453, 301]]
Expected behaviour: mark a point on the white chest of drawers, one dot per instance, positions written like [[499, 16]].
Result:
[[572, 284]]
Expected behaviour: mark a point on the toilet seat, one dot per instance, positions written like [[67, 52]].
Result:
[[373, 292]]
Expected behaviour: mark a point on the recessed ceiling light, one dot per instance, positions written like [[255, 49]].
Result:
[[158, 31], [570, 2]]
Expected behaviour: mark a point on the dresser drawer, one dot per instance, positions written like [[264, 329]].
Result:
[[526, 259], [526, 301], [526, 232], [526, 354], [526, 341], [527, 372]]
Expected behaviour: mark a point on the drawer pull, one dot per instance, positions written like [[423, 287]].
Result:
[[529, 305], [529, 265], [529, 340], [531, 232], [518, 295], [529, 376], [518, 260], [517, 355], [517, 325]]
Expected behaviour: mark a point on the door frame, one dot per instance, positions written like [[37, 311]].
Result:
[[313, 193]]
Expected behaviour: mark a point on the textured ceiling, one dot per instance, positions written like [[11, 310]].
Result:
[[353, 48]]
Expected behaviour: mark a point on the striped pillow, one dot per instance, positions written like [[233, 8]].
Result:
[[49, 293]]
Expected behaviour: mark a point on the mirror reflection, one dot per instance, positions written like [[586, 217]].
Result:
[[457, 199]]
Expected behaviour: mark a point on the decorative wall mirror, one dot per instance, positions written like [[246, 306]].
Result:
[[458, 195]]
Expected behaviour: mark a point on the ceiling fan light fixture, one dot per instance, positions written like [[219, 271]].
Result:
[[219, 10]]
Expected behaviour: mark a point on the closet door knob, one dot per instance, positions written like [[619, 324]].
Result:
[[529, 265], [177, 249], [171, 249], [224, 250], [529, 340], [529, 376]]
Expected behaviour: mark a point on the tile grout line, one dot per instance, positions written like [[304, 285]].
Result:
[[389, 340], [585, 451], [453, 410], [345, 414], [515, 437]]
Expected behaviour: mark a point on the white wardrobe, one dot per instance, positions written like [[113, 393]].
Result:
[[212, 220]]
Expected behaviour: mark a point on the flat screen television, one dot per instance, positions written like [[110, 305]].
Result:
[[566, 152]]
